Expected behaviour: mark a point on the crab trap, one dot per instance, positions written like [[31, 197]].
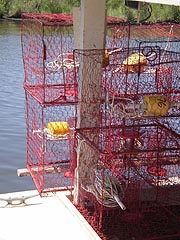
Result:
[[128, 84], [50, 141], [127, 178], [47, 50], [47, 44], [129, 175], [51, 90]]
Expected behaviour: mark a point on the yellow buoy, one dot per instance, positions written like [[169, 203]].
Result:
[[136, 62], [156, 105], [58, 128]]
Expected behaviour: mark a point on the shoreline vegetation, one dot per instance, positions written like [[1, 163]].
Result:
[[150, 13]]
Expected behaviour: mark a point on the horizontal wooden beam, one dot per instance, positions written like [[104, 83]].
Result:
[[23, 172]]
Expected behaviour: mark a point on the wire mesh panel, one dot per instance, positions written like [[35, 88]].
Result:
[[154, 32], [136, 178], [117, 33], [47, 44], [148, 69], [135, 83], [50, 141], [164, 64], [150, 146]]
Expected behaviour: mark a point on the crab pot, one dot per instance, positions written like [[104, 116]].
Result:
[[50, 142], [137, 85], [135, 149], [146, 69], [140, 165], [47, 45], [133, 85], [47, 50]]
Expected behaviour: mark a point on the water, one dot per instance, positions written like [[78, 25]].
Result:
[[12, 111]]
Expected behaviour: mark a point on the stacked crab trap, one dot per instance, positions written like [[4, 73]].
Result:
[[51, 91], [104, 123], [51, 98], [127, 179]]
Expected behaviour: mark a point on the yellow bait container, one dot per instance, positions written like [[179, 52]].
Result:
[[156, 105], [135, 63], [58, 128]]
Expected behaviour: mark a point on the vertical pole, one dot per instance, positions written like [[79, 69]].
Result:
[[92, 36], [76, 26]]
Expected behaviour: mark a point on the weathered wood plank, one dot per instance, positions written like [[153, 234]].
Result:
[[47, 170]]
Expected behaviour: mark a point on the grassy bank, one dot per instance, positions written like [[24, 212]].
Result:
[[14, 8]]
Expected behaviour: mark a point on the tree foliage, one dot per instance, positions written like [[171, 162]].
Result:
[[160, 13]]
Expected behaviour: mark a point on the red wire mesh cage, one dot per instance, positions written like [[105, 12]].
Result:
[[117, 33], [130, 175], [47, 50], [128, 152], [154, 32], [47, 45], [50, 141], [128, 85], [51, 90]]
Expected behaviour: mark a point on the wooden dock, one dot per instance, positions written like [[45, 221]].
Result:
[[27, 215]]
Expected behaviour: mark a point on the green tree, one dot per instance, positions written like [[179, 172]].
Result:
[[2, 8], [14, 8]]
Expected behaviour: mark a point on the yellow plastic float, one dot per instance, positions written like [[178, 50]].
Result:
[[135, 63], [156, 105], [58, 128]]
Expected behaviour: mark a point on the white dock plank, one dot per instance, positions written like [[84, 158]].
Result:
[[52, 217]]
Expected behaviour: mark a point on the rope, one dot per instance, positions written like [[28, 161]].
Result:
[[107, 189], [127, 108], [68, 63], [123, 110], [60, 63]]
